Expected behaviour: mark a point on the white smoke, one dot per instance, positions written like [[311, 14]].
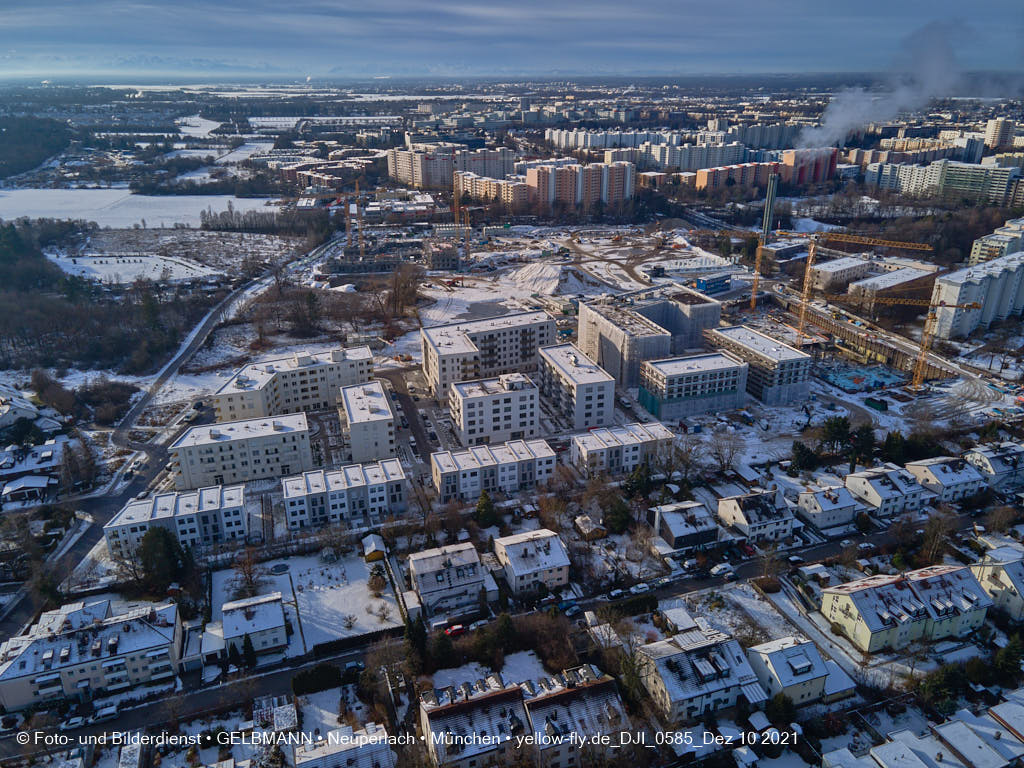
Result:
[[929, 69]]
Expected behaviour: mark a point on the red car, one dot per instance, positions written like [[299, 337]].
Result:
[[455, 630]]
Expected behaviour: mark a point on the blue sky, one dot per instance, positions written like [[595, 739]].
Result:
[[458, 37]]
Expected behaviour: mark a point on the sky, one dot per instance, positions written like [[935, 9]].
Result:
[[451, 38]]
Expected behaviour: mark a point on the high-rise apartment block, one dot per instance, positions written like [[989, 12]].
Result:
[[680, 387], [431, 166], [479, 349], [576, 387], [305, 381], [999, 133], [581, 185], [241, 451], [494, 410], [997, 286], [778, 373]]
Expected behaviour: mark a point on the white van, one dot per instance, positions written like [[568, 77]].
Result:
[[104, 714], [722, 569]]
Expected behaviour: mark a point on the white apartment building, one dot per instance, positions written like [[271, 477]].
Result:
[[778, 373], [360, 495], [680, 387], [345, 747], [996, 286], [82, 650], [367, 422], [517, 465], [827, 507], [305, 381], [198, 519], [948, 477], [1002, 465], [888, 490], [760, 516], [447, 579], [533, 558], [697, 671], [494, 410], [576, 387], [619, 450], [241, 451], [480, 349], [838, 273]]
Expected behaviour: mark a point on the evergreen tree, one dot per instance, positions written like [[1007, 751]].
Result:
[[161, 558], [486, 514], [234, 657], [248, 652]]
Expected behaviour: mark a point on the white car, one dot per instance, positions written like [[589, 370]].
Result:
[[72, 722], [639, 589]]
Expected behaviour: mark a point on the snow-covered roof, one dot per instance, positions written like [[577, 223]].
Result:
[[574, 366], [45, 458], [947, 471], [830, 497], [906, 749], [759, 343], [366, 402], [242, 430], [577, 701], [758, 507], [628, 434], [984, 728], [368, 747], [684, 518], [479, 456], [1002, 459], [257, 375], [889, 279], [792, 660], [252, 615], [531, 551], [339, 480], [457, 337], [441, 558], [695, 364], [948, 589], [163, 506], [888, 481], [81, 632], [497, 385]]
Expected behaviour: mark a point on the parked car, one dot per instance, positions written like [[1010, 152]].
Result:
[[455, 630], [573, 610], [639, 589], [795, 559], [105, 714], [72, 722], [721, 569], [477, 624], [845, 543], [549, 600], [615, 594], [867, 546], [565, 604]]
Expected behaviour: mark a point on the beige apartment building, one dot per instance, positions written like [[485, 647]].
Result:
[[293, 384], [494, 410], [577, 388], [241, 451]]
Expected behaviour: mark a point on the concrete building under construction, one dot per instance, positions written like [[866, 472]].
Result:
[[621, 332], [778, 374]]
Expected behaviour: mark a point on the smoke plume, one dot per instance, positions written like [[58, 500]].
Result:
[[927, 67]]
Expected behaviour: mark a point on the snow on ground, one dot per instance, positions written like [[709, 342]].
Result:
[[738, 609], [518, 667], [554, 279], [196, 126], [128, 269], [245, 151], [118, 207], [320, 710], [803, 224]]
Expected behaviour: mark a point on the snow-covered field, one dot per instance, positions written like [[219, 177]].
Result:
[[196, 126], [118, 207], [128, 269]]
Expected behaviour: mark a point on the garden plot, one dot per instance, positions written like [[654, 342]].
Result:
[[739, 610]]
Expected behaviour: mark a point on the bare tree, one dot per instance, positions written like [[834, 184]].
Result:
[[936, 534], [1001, 518], [725, 450], [249, 573]]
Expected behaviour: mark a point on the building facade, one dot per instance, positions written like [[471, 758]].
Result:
[[681, 387], [447, 579], [518, 465], [367, 422], [359, 495], [619, 450], [576, 387], [778, 373], [494, 410], [532, 559]]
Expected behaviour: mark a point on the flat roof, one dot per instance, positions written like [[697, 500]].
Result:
[[454, 337], [168, 505], [491, 455], [712, 361], [837, 265], [760, 343], [257, 375], [891, 279], [498, 385], [575, 366], [352, 476], [366, 402], [629, 434], [245, 429]]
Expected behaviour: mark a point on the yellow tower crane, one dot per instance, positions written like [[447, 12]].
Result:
[[927, 335], [836, 237]]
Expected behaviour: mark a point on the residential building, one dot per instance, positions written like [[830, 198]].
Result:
[[778, 373], [474, 724], [791, 666], [447, 579], [743, 175], [681, 387], [575, 717], [996, 287], [480, 349], [697, 671], [15, 406], [827, 507], [999, 133], [684, 526], [360, 495], [581, 185], [531, 559], [198, 519], [1001, 464], [619, 333], [513, 193], [345, 747], [947, 179], [885, 611], [1000, 572], [903, 282], [576, 387], [432, 165], [367, 422], [441, 255], [887, 490], [260, 617], [240, 451], [834, 275], [83, 650], [761, 516], [518, 465], [619, 450], [305, 381], [494, 410], [993, 246], [950, 478]]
